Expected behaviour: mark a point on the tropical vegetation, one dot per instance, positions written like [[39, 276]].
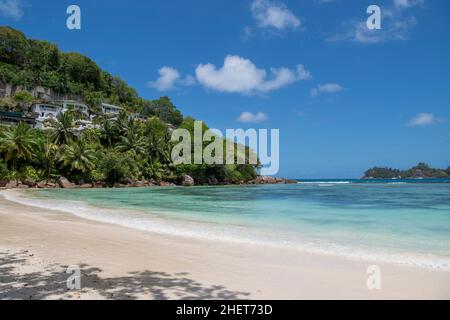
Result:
[[115, 150], [422, 170], [118, 149], [31, 63]]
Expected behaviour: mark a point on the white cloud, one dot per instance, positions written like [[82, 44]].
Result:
[[188, 81], [247, 33], [242, 76], [12, 9], [326, 88], [236, 75], [407, 3], [395, 25], [425, 119], [393, 30], [248, 117], [167, 78], [271, 14]]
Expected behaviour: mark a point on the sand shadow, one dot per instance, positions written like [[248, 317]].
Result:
[[35, 283]]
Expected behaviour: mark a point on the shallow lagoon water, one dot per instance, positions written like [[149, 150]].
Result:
[[406, 222]]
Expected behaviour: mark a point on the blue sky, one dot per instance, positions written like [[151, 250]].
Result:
[[344, 98]]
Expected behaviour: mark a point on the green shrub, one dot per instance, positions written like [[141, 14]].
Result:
[[247, 172], [7, 104], [116, 166], [4, 171], [23, 97], [232, 175], [97, 176], [31, 173]]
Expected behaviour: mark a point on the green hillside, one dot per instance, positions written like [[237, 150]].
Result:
[[116, 151], [30, 63]]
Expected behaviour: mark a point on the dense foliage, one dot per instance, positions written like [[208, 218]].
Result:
[[31, 63], [118, 150], [422, 170]]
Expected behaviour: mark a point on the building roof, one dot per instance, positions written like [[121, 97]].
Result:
[[111, 106], [15, 117], [46, 104], [69, 101]]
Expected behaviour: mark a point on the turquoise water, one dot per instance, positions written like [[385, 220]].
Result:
[[399, 221]]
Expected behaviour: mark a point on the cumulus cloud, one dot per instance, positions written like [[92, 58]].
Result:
[[12, 9], [237, 75], [326, 88], [249, 117], [167, 78], [241, 75], [395, 25], [271, 14], [425, 119]]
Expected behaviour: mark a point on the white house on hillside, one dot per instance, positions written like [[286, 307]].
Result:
[[110, 109], [45, 112], [73, 105], [138, 117], [48, 111]]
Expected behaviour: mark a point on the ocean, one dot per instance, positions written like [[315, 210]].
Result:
[[405, 222]]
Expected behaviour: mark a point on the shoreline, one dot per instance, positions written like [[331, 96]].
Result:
[[37, 244], [63, 183], [217, 232]]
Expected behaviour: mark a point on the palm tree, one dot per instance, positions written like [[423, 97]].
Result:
[[46, 154], [159, 148], [154, 169], [133, 142], [17, 144], [78, 156], [76, 113], [108, 133], [123, 122], [63, 128], [158, 140]]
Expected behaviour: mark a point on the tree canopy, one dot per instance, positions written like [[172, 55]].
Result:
[[422, 170], [31, 63]]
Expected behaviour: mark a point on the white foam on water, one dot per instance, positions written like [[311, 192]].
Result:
[[146, 221], [325, 183]]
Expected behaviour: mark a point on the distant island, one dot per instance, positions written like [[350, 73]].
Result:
[[421, 171]]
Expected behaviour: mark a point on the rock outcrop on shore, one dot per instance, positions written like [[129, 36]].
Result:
[[65, 184], [271, 180], [186, 181]]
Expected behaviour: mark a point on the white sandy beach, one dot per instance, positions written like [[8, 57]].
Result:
[[37, 245]]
